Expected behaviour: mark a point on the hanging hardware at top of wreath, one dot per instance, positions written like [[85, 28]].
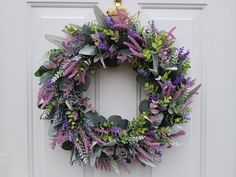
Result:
[[112, 11]]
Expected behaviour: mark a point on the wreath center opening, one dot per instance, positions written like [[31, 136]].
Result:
[[117, 91]]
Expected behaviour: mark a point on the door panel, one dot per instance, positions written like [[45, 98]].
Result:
[[185, 160], [114, 91]]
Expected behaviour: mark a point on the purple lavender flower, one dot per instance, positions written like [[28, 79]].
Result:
[[170, 34], [109, 22], [71, 135], [178, 80], [45, 94], [186, 116], [183, 55], [154, 97], [65, 125], [144, 73], [132, 32], [116, 130], [101, 35], [151, 24], [102, 46], [80, 37]]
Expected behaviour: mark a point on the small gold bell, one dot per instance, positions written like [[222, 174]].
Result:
[[112, 11]]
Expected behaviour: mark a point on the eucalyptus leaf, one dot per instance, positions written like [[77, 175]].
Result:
[[96, 58], [123, 124], [193, 91], [64, 83], [89, 50], [61, 84], [52, 131], [101, 59], [174, 68], [67, 145], [72, 156], [159, 118], [57, 40], [145, 161], [110, 143], [86, 30], [68, 105], [118, 121], [41, 71], [176, 128], [92, 117], [180, 69], [100, 16], [154, 72], [115, 118], [98, 151], [144, 106], [93, 145], [84, 86], [124, 52], [155, 64], [45, 77], [102, 119], [170, 111]]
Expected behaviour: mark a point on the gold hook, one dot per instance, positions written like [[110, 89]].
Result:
[[112, 11], [118, 3]]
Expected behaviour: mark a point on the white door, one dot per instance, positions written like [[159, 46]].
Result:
[[206, 27]]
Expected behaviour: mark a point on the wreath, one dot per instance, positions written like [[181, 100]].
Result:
[[114, 142]]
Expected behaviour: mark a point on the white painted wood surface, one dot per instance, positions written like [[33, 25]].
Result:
[[207, 28]]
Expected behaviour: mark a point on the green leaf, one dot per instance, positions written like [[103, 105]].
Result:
[[84, 86], [99, 58], [116, 36], [102, 119], [125, 52], [112, 143], [100, 16], [145, 161], [159, 119], [118, 121], [63, 83], [86, 30], [122, 124], [67, 145], [45, 77], [144, 106], [52, 131], [155, 64], [40, 71], [193, 91], [58, 41], [174, 68], [89, 50], [175, 129], [72, 29], [154, 72], [92, 117], [115, 118]]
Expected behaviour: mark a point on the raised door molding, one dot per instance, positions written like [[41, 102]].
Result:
[[50, 17]]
